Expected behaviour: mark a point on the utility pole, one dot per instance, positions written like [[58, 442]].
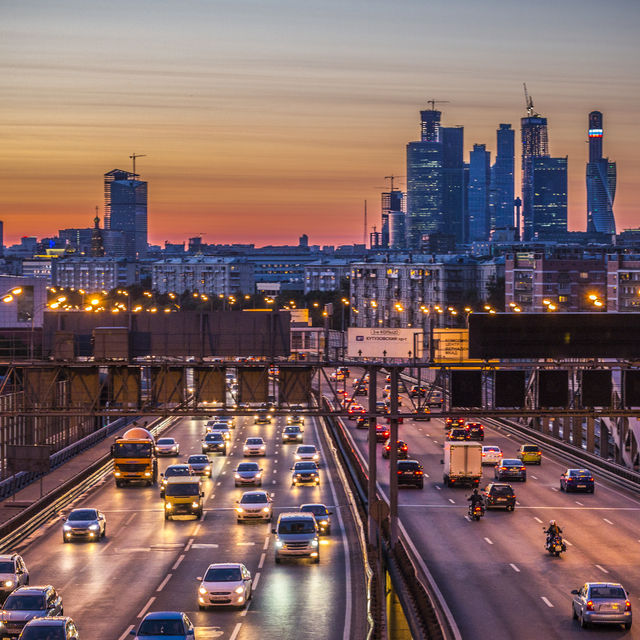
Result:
[[365, 224], [133, 157]]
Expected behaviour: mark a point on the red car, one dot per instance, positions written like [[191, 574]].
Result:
[[382, 433]]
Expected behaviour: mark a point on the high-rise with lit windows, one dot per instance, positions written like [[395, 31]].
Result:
[[601, 181]]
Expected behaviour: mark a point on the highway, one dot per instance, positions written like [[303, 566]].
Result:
[[495, 575], [148, 564]]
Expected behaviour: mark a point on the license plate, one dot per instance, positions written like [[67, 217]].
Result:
[[581, 486], [502, 499]]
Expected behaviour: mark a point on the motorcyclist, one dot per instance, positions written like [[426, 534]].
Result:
[[553, 530], [475, 498]]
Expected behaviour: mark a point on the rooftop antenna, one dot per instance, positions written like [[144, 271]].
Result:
[[365, 224], [133, 157]]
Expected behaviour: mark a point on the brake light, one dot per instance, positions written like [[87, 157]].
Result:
[[503, 468], [589, 605], [418, 473], [627, 606]]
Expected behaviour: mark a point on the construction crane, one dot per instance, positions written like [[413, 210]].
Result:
[[392, 178], [433, 103], [133, 157], [528, 100]]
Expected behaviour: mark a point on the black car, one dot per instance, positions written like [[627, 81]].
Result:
[[475, 431], [417, 391], [401, 448], [382, 433], [410, 474], [510, 468], [577, 480], [215, 443], [499, 495], [292, 434], [362, 422], [458, 433]]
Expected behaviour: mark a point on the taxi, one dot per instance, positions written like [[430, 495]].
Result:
[[530, 454]]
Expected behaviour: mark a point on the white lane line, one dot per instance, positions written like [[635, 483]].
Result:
[[196, 531], [467, 518], [580, 503], [436, 441], [273, 494], [534, 477], [203, 516], [438, 488], [452, 501], [163, 584], [130, 518], [254, 586], [223, 473], [554, 489], [517, 503], [537, 519], [567, 542], [218, 484], [546, 601], [106, 546], [273, 482], [235, 631], [488, 541], [186, 549], [597, 566], [514, 567], [204, 545], [276, 461], [265, 546], [176, 564], [127, 633], [245, 544], [275, 471], [426, 475], [607, 521], [146, 606], [262, 558]]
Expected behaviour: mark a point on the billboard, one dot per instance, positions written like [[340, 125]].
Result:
[[385, 343], [450, 345]]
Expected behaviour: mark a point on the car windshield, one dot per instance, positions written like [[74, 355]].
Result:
[[166, 441], [213, 437], [492, 448], [198, 460], [580, 473], [43, 632], [292, 430], [248, 466], [161, 628], [511, 463], [307, 449], [19, 602], [83, 514], [6, 567], [223, 574], [176, 471], [305, 466], [255, 441], [296, 526], [253, 498], [132, 450], [408, 466], [177, 490], [316, 509], [530, 448], [501, 490], [607, 592]]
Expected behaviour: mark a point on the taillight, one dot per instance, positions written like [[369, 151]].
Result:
[[627, 606], [590, 479], [589, 605], [418, 473]]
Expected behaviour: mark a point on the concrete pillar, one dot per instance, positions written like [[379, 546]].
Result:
[[556, 427], [604, 440], [591, 436], [567, 424], [576, 424]]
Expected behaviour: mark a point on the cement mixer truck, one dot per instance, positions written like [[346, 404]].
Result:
[[134, 457]]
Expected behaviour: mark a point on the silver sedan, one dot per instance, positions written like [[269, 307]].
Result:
[[602, 603]]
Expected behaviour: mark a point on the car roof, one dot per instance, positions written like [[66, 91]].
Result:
[[164, 615], [35, 589], [581, 470], [182, 479], [516, 460], [291, 515], [225, 565], [493, 447], [408, 461], [603, 584], [313, 504], [254, 438], [8, 557], [255, 493], [49, 621], [177, 466], [166, 438]]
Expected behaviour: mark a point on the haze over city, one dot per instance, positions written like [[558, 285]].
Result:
[[261, 121]]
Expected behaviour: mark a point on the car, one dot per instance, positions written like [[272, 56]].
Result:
[[386, 391], [223, 429], [362, 390], [85, 523], [292, 433], [417, 391], [381, 407], [295, 419], [159, 624], [362, 422], [382, 433], [254, 446], [183, 496], [602, 603], [214, 442], [296, 536], [410, 473], [26, 603], [200, 465], [458, 433], [13, 574], [499, 495], [307, 452], [354, 410], [254, 505], [451, 423], [423, 413], [336, 376], [321, 514], [510, 468], [230, 420], [305, 473], [435, 398], [577, 480], [400, 418], [172, 471], [491, 454], [530, 454], [50, 628], [402, 448], [167, 447], [475, 431], [248, 473], [387, 378], [345, 371], [262, 418], [227, 584]]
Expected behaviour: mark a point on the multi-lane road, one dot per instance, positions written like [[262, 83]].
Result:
[[495, 575], [148, 564]]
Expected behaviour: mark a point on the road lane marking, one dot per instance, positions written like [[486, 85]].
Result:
[[601, 568], [204, 545], [186, 549], [452, 501], [426, 475], [163, 584], [488, 541], [467, 518], [436, 441], [245, 544], [546, 601], [273, 482], [537, 519], [176, 564], [255, 581], [218, 484], [130, 518], [607, 521], [106, 546], [567, 542], [513, 566], [266, 543], [517, 503], [580, 503], [438, 488], [275, 471], [262, 558], [196, 531], [236, 631], [534, 477], [127, 633], [554, 489], [146, 606]]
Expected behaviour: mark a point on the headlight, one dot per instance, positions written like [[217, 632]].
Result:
[[195, 504], [314, 543], [202, 590], [239, 509], [266, 509], [324, 522], [66, 527], [239, 589], [147, 474], [316, 457], [8, 583], [207, 468], [237, 476], [168, 505], [255, 417], [95, 527], [279, 544], [258, 475], [297, 457], [117, 474], [297, 475]]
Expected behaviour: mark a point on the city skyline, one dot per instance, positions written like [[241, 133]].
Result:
[[283, 120]]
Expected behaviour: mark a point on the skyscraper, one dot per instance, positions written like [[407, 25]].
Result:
[[453, 181], [601, 182], [549, 197], [392, 201], [478, 193], [125, 211], [535, 144], [502, 185]]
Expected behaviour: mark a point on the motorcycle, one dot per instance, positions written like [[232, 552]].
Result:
[[476, 512], [555, 545]]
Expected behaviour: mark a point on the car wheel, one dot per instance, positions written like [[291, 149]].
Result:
[[118, 483], [583, 623], [166, 516], [593, 489], [421, 485], [64, 540], [573, 611], [510, 507], [627, 625], [235, 484], [277, 560], [202, 607], [316, 560], [561, 487]]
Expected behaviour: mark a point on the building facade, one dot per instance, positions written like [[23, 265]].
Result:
[[478, 193], [94, 274], [325, 275], [502, 179]]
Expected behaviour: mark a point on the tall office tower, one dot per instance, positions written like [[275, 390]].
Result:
[[549, 197], [125, 211], [391, 201], [478, 193], [601, 182], [453, 181], [502, 185]]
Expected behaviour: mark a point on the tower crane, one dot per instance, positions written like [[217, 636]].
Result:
[[528, 100], [433, 103], [391, 179], [133, 157]]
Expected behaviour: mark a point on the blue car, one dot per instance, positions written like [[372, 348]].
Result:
[[577, 480], [162, 624]]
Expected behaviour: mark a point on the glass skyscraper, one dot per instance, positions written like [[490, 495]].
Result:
[[601, 182], [502, 184], [453, 183], [549, 197], [478, 193]]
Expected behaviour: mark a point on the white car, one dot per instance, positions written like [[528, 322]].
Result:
[[167, 447], [254, 447], [225, 584], [491, 454], [307, 452], [254, 505]]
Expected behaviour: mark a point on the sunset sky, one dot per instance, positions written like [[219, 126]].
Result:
[[266, 119]]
